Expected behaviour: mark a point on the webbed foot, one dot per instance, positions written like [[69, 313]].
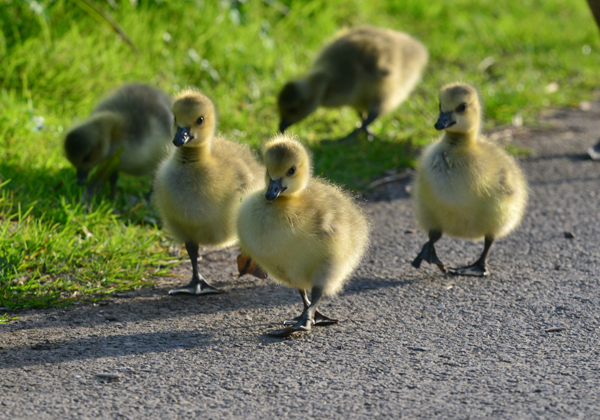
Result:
[[473, 270], [350, 138], [370, 134], [319, 320], [479, 267], [428, 254], [594, 151], [304, 324], [196, 288]]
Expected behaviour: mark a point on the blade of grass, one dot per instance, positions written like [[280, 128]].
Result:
[[104, 17]]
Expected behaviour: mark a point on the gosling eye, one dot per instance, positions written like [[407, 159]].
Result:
[[291, 171], [461, 108], [200, 120], [292, 110], [87, 158]]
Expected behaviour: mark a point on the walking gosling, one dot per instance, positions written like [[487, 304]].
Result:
[[135, 118], [466, 186], [305, 232], [199, 187], [370, 69]]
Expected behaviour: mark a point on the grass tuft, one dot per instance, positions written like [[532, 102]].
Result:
[[4, 319]]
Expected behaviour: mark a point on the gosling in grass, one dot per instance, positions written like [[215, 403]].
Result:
[[136, 119], [370, 69], [198, 188], [466, 186], [305, 232]]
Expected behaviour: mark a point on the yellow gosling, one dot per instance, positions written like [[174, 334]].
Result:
[[370, 69], [466, 186], [305, 232], [198, 188], [135, 118]]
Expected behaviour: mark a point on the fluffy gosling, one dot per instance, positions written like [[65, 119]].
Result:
[[305, 232], [135, 118], [466, 186], [370, 69], [199, 187]]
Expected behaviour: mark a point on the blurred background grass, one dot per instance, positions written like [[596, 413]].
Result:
[[58, 59]]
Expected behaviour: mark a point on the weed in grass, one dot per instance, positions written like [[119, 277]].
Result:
[[4, 319]]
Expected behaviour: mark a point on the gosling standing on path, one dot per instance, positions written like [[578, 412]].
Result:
[[305, 232], [370, 69], [135, 118], [466, 186], [198, 189]]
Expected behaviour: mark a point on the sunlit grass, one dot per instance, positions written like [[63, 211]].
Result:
[[57, 61], [6, 318]]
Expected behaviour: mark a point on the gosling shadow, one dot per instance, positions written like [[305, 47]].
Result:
[[55, 351], [155, 304], [362, 284], [246, 293]]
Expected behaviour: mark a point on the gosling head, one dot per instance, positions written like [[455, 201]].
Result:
[[88, 144], [459, 109], [288, 166], [195, 119], [296, 101]]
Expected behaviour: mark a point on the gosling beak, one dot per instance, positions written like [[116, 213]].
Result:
[[275, 188], [82, 175], [283, 125], [182, 136], [444, 121]]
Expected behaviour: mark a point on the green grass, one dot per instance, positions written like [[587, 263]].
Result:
[[4, 319], [57, 61]]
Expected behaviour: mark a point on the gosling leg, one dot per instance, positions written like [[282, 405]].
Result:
[[366, 122], [319, 318], [112, 182], [372, 116], [198, 286], [307, 319], [428, 252], [148, 195], [479, 267], [82, 176]]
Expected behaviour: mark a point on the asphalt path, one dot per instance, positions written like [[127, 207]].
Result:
[[522, 343]]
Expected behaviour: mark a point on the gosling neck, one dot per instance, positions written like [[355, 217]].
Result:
[[464, 139], [111, 127], [198, 153], [286, 202], [317, 80], [290, 200]]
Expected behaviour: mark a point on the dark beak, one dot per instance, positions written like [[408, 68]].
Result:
[[275, 188], [283, 126], [82, 175], [444, 121], [182, 136]]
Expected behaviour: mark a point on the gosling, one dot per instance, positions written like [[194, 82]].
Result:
[[466, 186], [198, 188], [370, 69], [305, 232], [135, 118]]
